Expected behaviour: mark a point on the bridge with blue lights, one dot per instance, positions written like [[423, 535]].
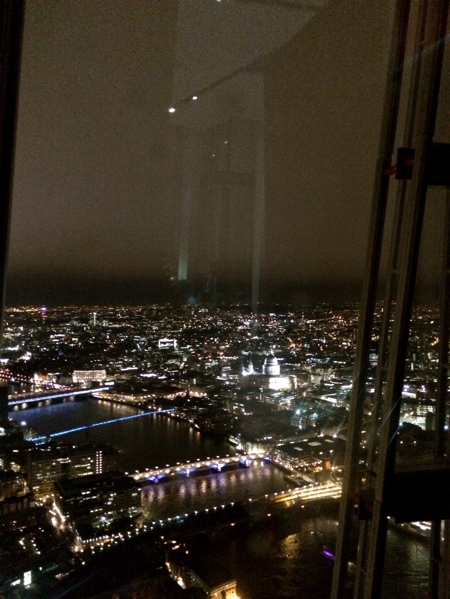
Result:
[[224, 515], [95, 424], [308, 492], [217, 464], [38, 400]]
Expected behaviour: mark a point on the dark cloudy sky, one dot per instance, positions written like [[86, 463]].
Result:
[[97, 196]]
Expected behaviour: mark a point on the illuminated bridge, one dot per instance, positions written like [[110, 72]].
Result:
[[24, 400], [154, 475], [310, 492], [225, 514], [95, 424]]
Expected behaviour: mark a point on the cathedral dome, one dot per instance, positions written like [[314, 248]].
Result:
[[271, 366]]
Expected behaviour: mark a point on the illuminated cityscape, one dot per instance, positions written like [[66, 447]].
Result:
[[224, 299], [272, 388]]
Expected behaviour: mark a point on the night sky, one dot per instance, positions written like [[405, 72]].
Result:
[[97, 201]]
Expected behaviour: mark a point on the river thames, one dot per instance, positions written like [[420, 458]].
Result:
[[282, 562], [145, 442]]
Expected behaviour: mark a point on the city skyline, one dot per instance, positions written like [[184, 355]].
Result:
[[189, 365], [193, 188]]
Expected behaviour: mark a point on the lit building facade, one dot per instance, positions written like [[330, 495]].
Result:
[[85, 377], [45, 465], [312, 459], [92, 503], [12, 484]]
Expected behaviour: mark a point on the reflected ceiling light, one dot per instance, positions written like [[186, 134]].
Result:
[[172, 109], [195, 97]]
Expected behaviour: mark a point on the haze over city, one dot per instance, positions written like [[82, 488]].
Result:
[[97, 206]]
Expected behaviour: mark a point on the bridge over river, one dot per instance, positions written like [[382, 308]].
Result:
[[22, 401], [306, 492], [202, 486], [216, 464], [215, 493]]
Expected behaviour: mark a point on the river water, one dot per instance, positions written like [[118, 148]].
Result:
[[279, 562], [198, 493], [145, 442]]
